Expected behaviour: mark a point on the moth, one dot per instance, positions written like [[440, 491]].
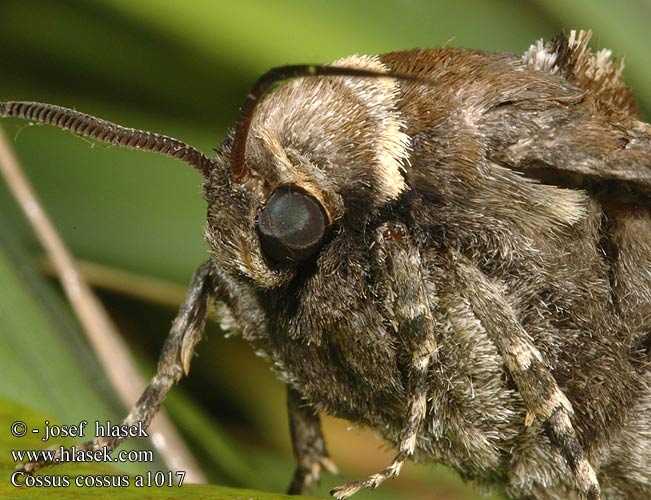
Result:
[[451, 247]]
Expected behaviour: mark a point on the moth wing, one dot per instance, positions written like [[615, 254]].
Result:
[[606, 157], [597, 143]]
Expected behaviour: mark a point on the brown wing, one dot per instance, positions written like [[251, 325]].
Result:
[[560, 113], [596, 142]]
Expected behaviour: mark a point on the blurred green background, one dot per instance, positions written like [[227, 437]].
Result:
[[183, 69]]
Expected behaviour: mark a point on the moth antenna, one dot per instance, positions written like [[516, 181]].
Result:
[[266, 81], [105, 131]]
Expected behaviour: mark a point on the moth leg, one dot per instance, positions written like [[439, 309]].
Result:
[[537, 386], [308, 444], [407, 307], [173, 363], [417, 408]]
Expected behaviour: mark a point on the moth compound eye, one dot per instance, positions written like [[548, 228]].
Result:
[[291, 225]]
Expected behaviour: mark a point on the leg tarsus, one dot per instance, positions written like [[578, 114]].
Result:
[[308, 444], [564, 435], [372, 481], [173, 363], [420, 363]]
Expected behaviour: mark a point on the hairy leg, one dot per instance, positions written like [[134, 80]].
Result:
[[417, 408], [399, 268], [173, 363], [542, 396], [308, 444]]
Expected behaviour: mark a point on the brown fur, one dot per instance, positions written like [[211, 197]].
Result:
[[555, 261]]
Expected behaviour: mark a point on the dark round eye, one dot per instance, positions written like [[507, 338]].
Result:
[[291, 225]]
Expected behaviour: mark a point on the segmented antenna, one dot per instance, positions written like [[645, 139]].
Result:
[[104, 131], [265, 82]]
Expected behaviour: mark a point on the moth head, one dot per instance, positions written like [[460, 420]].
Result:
[[303, 162], [316, 154]]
